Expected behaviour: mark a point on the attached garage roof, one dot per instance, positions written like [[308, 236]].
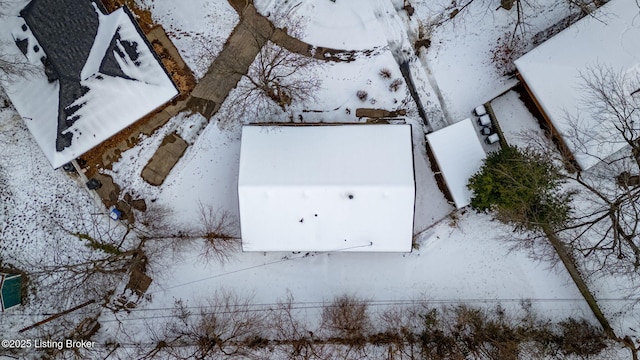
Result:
[[552, 72], [459, 155], [326, 188]]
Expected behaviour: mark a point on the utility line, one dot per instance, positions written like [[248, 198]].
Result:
[[320, 304], [286, 258], [230, 309]]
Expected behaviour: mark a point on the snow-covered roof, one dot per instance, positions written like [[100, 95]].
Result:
[[91, 77], [459, 155], [326, 188], [552, 70]]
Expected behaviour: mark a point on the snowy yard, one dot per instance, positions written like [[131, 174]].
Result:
[[466, 73], [198, 30], [519, 126], [41, 209], [460, 257], [461, 252], [482, 269]]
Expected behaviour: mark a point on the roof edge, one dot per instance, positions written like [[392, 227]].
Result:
[[136, 25]]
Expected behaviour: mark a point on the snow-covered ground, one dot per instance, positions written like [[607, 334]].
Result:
[[463, 258], [458, 260], [461, 52], [519, 126], [207, 173], [198, 29], [352, 25], [40, 209]]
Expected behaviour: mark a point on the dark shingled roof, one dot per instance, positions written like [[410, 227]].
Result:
[[109, 63], [66, 30], [103, 74]]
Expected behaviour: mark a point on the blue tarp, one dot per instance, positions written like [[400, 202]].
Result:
[[115, 214]]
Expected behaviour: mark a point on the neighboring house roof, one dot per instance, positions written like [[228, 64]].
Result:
[[459, 155], [552, 72], [96, 74], [326, 188]]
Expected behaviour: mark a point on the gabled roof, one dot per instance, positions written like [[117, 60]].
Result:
[[459, 155], [96, 74], [610, 37], [326, 188]]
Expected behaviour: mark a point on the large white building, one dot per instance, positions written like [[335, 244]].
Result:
[[326, 188], [552, 75]]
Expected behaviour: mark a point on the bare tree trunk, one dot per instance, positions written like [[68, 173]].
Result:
[[569, 264]]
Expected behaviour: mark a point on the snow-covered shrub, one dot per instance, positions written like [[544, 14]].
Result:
[[362, 95], [385, 73], [395, 84], [508, 48]]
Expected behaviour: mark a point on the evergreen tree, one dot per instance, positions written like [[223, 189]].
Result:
[[522, 187]]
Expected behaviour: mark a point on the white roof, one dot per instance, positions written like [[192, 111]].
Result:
[[552, 70], [459, 155], [326, 188], [111, 103]]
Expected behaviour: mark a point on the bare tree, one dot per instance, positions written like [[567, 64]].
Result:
[[346, 317], [229, 326], [457, 8], [218, 229], [154, 222], [612, 97], [607, 222], [295, 337], [113, 248], [226, 326], [401, 328], [347, 322], [103, 251], [515, 41], [206, 49], [13, 66], [276, 79]]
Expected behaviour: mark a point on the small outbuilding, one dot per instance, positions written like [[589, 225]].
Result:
[[458, 154], [10, 290], [327, 188]]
